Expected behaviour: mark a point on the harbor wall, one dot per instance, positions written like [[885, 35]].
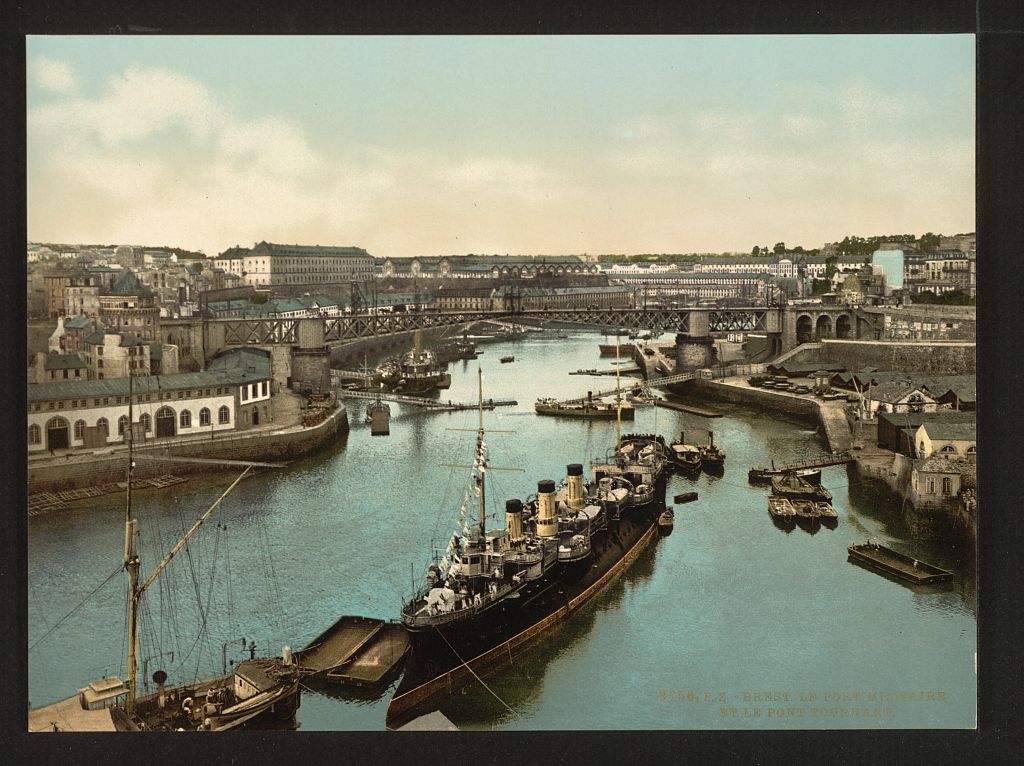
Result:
[[53, 475], [831, 421], [929, 357]]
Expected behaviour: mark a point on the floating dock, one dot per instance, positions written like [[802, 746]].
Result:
[[355, 651], [897, 564]]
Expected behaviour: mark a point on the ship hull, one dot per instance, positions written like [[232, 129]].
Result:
[[446, 658]]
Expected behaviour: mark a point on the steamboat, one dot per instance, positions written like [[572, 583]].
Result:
[[415, 372], [493, 591]]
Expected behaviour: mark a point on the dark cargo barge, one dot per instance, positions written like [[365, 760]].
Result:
[[897, 564]]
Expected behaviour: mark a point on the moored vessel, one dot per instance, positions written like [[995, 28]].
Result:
[[793, 486], [493, 591], [712, 458], [781, 511]]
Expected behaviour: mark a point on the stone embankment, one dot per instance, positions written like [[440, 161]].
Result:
[[828, 415], [76, 469]]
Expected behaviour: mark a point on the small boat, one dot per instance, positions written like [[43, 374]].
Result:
[[666, 521], [792, 486], [684, 456], [805, 512], [827, 513], [590, 408], [507, 359], [760, 475], [712, 458], [686, 497], [781, 510], [900, 565]]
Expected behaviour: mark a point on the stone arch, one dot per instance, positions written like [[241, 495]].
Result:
[[823, 327], [804, 328], [166, 422], [57, 433], [843, 326]]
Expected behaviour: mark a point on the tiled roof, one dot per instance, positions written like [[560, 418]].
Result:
[[271, 248], [63, 362], [952, 431], [893, 391], [914, 419], [128, 284], [233, 367], [939, 464], [77, 323]]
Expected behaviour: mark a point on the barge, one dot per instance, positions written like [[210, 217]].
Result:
[[898, 564]]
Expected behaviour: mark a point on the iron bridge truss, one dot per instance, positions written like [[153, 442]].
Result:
[[339, 330]]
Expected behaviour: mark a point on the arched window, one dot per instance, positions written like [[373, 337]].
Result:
[[146, 421], [948, 448], [122, 423], [103, 425], [972, 450], [224, 414], [79, 428], [35, 434], [186, 419], [204, 417]]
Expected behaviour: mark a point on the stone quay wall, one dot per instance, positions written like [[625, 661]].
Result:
[[928, 357], [286, 444]]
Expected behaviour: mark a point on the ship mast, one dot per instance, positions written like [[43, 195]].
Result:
[[618, 398], [131, 565], [480, 450]]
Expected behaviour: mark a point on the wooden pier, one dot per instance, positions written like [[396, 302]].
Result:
[[43, 502], [835, 458]]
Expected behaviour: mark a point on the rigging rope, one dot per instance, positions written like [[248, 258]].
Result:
[[75, 609], [478, 678]]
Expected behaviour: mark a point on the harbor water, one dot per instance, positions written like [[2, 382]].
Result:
[[729, 623]]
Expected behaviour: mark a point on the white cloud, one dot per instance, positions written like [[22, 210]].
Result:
[[56, 76]]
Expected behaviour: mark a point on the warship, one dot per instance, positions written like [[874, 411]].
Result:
[[494, 590]]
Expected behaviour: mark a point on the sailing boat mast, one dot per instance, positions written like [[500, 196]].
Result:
[[131, 565]]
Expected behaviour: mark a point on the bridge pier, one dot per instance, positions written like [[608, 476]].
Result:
[[694, 352]]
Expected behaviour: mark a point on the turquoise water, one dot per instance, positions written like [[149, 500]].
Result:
[[728, 623]]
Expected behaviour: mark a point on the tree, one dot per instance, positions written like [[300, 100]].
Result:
[[756, 250], [198, 266], [930, 241], [780, 248]]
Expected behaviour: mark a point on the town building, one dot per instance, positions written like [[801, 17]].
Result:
[[232, 394], [128, 305], [59, 366], [485, 266], [899, 397], [267, 264], [947, 439], [700, 284]]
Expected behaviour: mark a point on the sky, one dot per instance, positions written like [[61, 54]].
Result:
[[489, 144]]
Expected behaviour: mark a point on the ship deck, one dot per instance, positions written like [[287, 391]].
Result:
[[376, 659], [337, 644]]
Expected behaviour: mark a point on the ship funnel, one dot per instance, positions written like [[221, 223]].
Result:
[[514, 521], [547, 519], [160, 678], [574, 486]]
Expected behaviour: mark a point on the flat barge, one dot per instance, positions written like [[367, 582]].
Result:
[[897, 564], [668, 405], [355, 651]]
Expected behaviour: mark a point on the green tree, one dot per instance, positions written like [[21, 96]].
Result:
[[780, 247]]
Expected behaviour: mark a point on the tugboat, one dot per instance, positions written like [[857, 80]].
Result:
[[685, 457], [591, 408], [493, 591], [416, 372], [712, 458], [257, 691]]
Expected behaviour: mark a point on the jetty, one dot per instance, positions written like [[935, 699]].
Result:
[[627, 387], [430, 404]]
